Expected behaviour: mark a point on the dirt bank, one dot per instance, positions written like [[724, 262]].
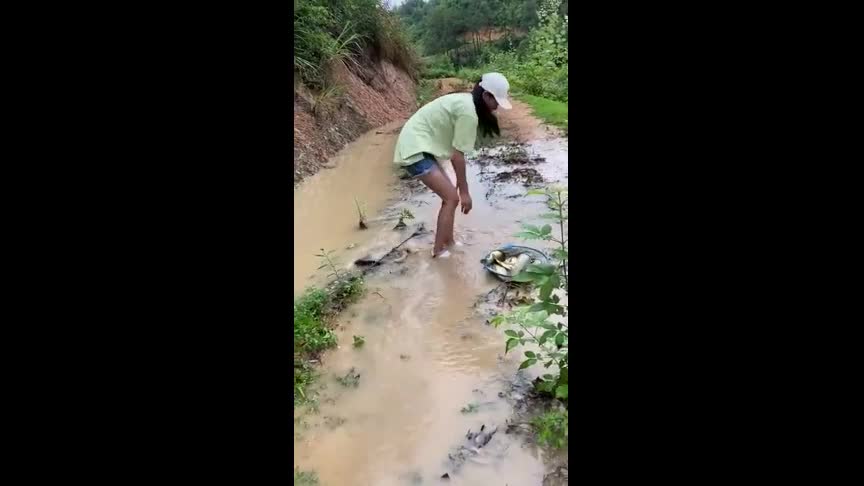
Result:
[[359, 99]]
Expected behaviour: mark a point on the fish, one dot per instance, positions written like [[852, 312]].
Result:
[[521, 262], [493, 257], [511, 266]]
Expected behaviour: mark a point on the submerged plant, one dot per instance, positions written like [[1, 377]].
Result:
[[351, 379], [470, 408], [327, 262], [359, 341], [361, 214], [404, 215]]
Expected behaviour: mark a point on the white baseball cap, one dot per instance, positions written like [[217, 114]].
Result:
[[497, 85]]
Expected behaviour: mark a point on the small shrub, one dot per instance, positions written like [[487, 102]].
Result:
[[535, 323], [551, 428]]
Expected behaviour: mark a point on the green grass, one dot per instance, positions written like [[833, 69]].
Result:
[[305, 478], [552, 428], [550, 111], [312, 334]]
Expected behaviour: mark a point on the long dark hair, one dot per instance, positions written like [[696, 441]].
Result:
[[487, 122]]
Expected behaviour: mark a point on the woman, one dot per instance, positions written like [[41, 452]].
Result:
[[447, 128]]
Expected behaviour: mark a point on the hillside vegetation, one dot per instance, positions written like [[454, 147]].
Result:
[[344, 31], [448, 33]]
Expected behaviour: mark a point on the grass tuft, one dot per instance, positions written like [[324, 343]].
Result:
[[313, 312]]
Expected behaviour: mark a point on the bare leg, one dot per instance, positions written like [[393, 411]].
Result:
[[438, 181]]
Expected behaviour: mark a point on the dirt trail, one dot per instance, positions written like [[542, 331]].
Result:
[[429, 354], [517, 124]]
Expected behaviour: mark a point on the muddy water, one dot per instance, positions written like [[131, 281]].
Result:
[[325, 215], [428, 352]]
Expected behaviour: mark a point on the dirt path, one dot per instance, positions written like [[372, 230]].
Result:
[[517, 124], [431, 368]]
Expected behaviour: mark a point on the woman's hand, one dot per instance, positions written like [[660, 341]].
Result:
[[465, 200]]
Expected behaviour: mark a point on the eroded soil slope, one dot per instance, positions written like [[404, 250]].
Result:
[[362, 98]]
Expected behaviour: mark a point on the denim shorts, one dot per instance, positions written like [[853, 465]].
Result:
[[422, 167]]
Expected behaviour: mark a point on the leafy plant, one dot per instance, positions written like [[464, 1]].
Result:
[[359, 341], [552, 428], [551, 340], [557, 201], [361, 214], [543, 323]]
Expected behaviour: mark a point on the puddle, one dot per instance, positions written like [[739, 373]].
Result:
[[431, 367], [325, 215]]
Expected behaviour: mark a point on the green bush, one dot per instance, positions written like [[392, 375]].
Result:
[[535, 324]]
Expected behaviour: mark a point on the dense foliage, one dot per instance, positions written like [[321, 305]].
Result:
[[536, 63], [327, 31], [457, 26]]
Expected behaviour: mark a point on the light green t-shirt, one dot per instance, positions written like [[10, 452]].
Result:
[[439, 127]]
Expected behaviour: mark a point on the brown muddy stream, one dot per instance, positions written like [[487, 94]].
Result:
[[428, 351]]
